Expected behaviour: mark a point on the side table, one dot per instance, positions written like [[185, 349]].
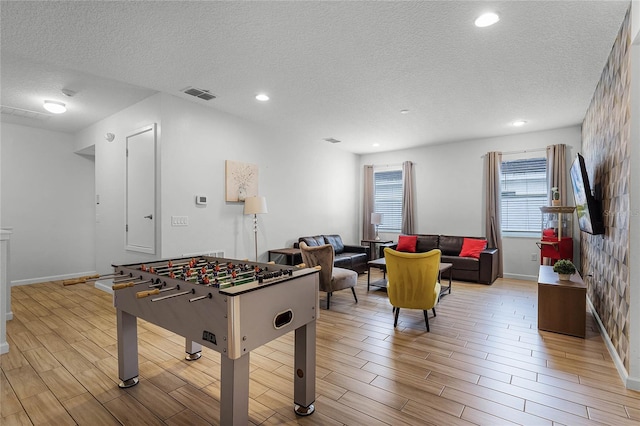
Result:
[[293, 256], [444, 267], [373, 254], [380, 264]]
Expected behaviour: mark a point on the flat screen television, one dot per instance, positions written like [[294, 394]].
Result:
[[588, 208]]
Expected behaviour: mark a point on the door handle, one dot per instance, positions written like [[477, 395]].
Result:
[[149, 217]]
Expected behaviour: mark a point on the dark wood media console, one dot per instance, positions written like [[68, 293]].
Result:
[[561, 304]]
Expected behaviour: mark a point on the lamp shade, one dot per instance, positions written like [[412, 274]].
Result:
[[376, 218], [255, 205]]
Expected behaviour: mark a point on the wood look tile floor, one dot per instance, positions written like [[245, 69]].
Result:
[[484, 362]]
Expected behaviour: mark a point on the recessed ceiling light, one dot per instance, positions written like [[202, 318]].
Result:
[[262, 97], [519, 123], [55, 107], [404, 111], [376, 144], [487, 19]]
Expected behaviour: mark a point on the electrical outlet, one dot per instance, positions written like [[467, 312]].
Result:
[[534, 257], [179, 220]]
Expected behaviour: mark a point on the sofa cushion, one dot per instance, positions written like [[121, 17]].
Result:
[[462, 263], [407, 243], [343, 260], [426, 243], [358, 258], [450, 246], [471, 247], [336, 242], [317, 240]]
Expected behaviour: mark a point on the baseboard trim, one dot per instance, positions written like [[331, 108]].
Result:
[[632, 383], [51, 278], [521, 277], [104, 286]]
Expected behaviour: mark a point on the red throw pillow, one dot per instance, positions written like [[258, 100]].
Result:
[[407, 243], [472, 247]]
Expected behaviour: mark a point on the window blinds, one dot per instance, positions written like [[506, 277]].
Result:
[[524, 191], [388, 199]]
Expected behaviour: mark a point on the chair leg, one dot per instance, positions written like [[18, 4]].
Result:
[[353, 290], [328, 300], [434, 311], [395, 321], [426, 319]]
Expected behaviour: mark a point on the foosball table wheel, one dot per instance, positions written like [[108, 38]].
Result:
[[193, 357], [128, 383], [304, 411]]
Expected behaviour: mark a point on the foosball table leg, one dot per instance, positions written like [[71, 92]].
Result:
[[304, 379], [192, 349], [234, 391], [127, 349]]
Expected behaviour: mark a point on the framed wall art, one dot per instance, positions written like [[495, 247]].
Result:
[[241, 180]]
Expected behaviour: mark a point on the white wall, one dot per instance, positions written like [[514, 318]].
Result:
[[47, 198], [110, 178], [450, 188], [311, 186]]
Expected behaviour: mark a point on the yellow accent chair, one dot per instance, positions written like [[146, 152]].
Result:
[[413, 281], [331, 278]]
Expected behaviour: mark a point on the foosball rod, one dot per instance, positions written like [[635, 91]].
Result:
[[163, 266], [170, 296], [121, 285], [221, 275], [82, 280]]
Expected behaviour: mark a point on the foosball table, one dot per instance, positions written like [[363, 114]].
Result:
[[227, 305]]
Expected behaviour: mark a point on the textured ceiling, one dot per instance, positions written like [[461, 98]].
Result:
[[340, 70]]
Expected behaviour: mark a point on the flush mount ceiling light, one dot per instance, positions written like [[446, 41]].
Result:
[[404, 111], [55, 107], [262, 97], [519, 123], [487, 19], [376, 144]]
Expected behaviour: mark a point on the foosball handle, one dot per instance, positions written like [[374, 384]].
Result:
[[121, 286], [147, 293], [79, 280]]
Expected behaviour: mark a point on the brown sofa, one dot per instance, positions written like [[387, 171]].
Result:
[[483, 270], [346, 256]]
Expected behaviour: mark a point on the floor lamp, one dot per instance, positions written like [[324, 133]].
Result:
[[376, 220], [255, 206]]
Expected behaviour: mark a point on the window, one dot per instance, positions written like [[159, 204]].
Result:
[[388, 199], [524, 191]]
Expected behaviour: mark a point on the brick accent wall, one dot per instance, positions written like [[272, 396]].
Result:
[[606, 138]]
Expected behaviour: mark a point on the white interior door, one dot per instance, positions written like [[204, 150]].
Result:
[[141, 190]]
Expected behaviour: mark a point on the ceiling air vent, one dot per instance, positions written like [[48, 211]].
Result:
[[199, 93], [332, 140]]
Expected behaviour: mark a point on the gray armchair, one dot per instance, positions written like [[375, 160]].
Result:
[[331, 278]]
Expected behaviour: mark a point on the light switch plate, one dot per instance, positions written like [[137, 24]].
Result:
[[179, 220]]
